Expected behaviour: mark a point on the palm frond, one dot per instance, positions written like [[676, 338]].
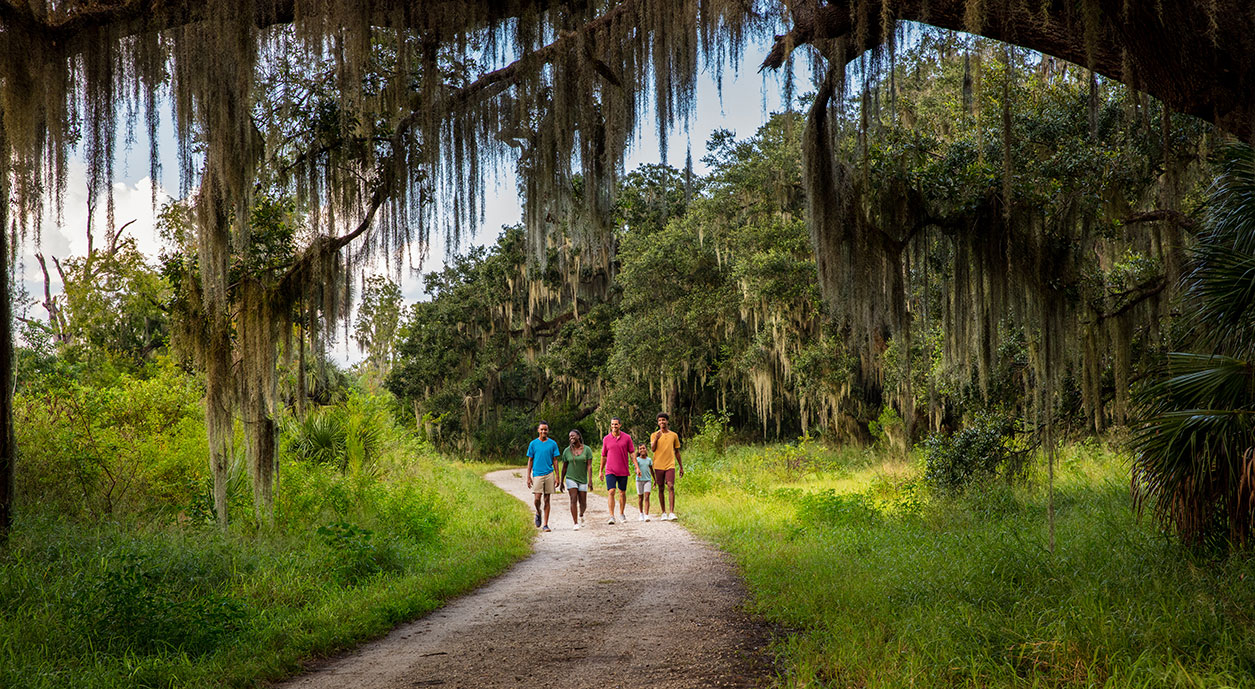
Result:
[[1194, 447]]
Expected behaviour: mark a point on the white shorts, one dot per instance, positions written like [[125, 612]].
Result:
[[643, 487], [583, 487]]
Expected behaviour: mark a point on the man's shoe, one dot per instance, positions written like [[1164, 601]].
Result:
[[622, 517], [611, 520], [545, 528], [538, 521]]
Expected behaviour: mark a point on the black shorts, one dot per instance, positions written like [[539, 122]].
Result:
[[613, 482]]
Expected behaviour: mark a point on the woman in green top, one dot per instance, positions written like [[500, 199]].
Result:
[[574, 475]]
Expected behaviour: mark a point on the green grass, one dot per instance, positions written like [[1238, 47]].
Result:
[[877, 582], [127, 605]]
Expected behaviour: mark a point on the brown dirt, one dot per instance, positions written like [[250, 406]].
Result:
[[641, 604]]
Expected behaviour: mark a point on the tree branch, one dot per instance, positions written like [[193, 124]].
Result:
[[1163, 214], [1196, 58]]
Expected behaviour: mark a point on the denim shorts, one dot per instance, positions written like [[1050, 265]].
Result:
[[583, 487], [613, 482]]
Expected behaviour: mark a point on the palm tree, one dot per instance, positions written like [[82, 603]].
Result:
[[1194, 446]]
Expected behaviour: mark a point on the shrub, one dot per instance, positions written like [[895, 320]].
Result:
[[714, 431], [132, 608], [831, 507], [412, 512], [348, 437], [130, 446], [981, 450], [354, 554]]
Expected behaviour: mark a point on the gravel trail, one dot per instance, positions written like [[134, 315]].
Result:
[[640, 604]]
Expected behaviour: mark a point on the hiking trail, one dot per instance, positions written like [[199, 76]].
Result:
[[636, 604]]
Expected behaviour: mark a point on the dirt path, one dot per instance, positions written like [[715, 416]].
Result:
[[641, 604]]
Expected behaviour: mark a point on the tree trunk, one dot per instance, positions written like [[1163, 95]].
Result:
[[8, 449], [218, 417], [262, 436]]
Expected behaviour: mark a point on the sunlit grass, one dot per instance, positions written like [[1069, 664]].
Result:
[[293, 597], [877, 582]]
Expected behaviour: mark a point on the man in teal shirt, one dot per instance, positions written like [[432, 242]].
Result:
[[540, 475]]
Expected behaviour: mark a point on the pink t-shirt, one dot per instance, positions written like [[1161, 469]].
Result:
[[615, 453]]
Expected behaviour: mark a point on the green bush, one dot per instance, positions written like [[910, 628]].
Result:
[[131, 446], [132, 608], [348, 436], [830, 507], [354, 553], [979, 451], [714, 432]]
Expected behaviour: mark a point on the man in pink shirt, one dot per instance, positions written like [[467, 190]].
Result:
[[616, 451]]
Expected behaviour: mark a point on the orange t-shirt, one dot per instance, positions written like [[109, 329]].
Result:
[[665, 445]]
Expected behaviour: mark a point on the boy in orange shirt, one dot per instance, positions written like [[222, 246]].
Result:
[[666, 446]]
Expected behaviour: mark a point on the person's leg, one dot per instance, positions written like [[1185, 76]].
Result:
[[546, 509], [583, 496], [537, 496], [671, 489], [575, 504], [647, 504], [622, 495], [640, 503], [660, 481], [610, 496]]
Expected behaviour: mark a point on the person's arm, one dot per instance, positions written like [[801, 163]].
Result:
[[653, 441], [602, 467], [529, 471], [679, 468]]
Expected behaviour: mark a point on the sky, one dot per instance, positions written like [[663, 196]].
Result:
[[748, 98]]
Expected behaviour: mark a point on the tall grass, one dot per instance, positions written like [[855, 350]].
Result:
[[158, 597], [877, 582]]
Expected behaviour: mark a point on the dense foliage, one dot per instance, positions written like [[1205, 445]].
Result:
[[1194, 445], [116, 574], [1032, 221]]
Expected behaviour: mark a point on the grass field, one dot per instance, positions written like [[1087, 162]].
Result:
[[129, 605], [877, 582]]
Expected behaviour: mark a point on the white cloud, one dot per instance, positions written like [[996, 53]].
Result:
[[67, 237]]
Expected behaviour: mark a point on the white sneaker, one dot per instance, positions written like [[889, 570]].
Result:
[[646, 517], [611, 520], [673, 517], [576, 527], [640, 517], [622, 517]]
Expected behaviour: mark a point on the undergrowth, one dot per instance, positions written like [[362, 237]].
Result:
[[879, 581], [158, 596]]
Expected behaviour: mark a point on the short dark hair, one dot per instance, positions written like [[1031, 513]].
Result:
[[615, 418], [542, 423], [664, 415]]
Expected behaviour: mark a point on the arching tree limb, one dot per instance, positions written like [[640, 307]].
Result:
[[1198, 58]]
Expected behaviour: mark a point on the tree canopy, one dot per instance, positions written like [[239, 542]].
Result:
[[358, 128]]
